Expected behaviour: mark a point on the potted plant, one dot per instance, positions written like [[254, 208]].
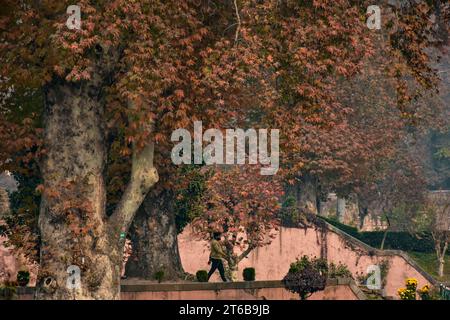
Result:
[[23, 278]]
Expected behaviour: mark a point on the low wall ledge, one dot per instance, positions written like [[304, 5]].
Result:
[[148, 285], [145, 285]]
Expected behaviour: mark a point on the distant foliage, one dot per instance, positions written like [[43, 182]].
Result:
[[242, 205], [395, 240], [440, 147]]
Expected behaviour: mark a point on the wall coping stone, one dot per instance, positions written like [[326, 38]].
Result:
[[148, 285]]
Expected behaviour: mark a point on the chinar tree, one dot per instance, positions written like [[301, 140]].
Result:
[[103, 86], [117, 82]]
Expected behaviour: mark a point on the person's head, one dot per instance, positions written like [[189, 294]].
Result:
[[217, 235]]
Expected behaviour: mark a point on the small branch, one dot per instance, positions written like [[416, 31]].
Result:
[[236, 36], [245, 253]]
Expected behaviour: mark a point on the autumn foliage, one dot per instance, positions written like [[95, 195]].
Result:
[[110, 94]]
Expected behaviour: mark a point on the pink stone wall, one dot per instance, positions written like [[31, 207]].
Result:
[[340, 292], [231, 294], [272, 262]]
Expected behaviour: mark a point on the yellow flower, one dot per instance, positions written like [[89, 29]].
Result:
[[401, 291], [411, 281], [408, 293], [425, 289]]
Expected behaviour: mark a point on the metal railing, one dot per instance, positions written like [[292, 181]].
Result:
[[445, 292]]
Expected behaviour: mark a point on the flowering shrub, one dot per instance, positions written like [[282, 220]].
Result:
[[411, 283], [424, 293], [306, 276], [408, 293]]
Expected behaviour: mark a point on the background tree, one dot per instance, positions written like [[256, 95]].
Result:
[[243, 205], [162, 216], [434, 219], [375, 110]]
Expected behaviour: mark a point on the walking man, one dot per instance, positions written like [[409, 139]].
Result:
[[216, 256]]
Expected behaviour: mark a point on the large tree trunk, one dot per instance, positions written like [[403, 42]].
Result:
[[154, 239], [73, 225], [307, 194], [81, 247]]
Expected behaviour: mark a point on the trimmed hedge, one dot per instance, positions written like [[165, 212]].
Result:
[[394, 240], [249, 274], [202, 276]]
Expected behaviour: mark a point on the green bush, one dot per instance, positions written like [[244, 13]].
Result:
[[202, 276], [249, 274], [159, 275], [338, 271], [317, 263]]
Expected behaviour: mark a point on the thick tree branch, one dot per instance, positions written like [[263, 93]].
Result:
[[245, 253], [143, 176]]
